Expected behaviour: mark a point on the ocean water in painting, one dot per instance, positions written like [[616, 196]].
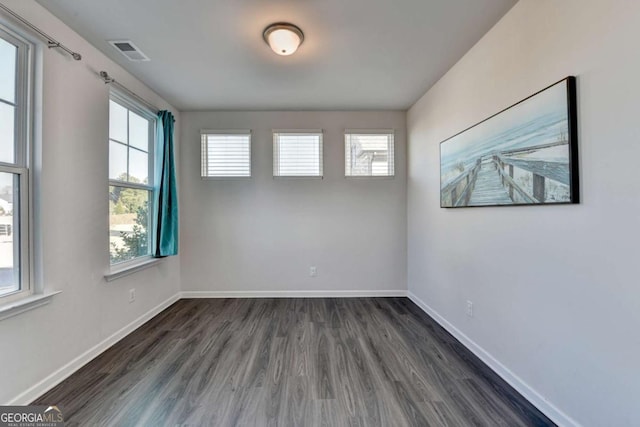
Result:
[[520, 156]]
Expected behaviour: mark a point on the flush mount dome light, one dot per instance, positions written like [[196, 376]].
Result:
[[283, 38]]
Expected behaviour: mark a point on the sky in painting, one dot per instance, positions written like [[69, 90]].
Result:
[[532, 122]]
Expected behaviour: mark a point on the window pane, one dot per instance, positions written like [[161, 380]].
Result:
[[9, 240], [117, 161], [8, 53], [7, 125], [138, 166], [128, 223], [117, 122], [369, 155], [138, 131]]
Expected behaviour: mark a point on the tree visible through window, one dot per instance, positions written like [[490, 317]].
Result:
[[131, 180]]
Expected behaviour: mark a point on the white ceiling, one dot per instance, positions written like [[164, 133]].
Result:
[[357, 54]]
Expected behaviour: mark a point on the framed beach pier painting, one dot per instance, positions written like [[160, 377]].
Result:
[[525, 155]]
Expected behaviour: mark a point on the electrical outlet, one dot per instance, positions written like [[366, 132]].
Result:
[[470, 308], [313, 271], [132, 295]]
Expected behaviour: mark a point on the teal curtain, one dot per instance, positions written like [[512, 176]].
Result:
[[166, 242]]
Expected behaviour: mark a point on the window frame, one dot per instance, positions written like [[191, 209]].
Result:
[[23, 159], [225, 132], [119, 97], [276, 149], [391, 147]]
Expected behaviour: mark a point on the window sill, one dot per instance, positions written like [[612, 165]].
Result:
[[369, 177], [130, 268], [222, 178], [284, 177], [28, 303]]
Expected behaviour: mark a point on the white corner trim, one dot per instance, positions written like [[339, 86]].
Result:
[[128, 269], [293, 294], [40, 388], [536, 399], [28, 303]]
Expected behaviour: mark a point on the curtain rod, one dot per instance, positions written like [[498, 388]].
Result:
[[110, 80], [51, 42]]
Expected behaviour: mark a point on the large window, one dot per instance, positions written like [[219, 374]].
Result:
[[226, 153], [368, 153], [297, 153], [15, 132], [131, 171]]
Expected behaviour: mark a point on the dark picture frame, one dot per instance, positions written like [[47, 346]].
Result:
[[526, 154]]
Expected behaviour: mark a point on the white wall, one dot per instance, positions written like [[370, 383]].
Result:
[[262, 234], [74, 224], [555, 288]]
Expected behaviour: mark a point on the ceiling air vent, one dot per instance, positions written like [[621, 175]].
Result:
[[129, 50]]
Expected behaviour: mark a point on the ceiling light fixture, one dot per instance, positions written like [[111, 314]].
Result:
[[283, 38]]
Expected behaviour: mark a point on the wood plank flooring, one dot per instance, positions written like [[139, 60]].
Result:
[[290, 362]]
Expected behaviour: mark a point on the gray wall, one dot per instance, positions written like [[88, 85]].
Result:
[[40, 346], [555, 288], [262, 234]]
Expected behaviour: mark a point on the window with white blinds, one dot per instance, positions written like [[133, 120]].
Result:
[[226, 153], [297, 153], [368, 153]]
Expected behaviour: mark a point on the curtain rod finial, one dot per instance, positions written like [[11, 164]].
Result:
[[107, 79]]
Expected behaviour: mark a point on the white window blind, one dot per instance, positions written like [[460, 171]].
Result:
[[297, 153], [368, 153], [226, 153]]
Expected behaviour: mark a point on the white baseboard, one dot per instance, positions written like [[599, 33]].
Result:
[[293, 294], [536, 399], [63, 373]]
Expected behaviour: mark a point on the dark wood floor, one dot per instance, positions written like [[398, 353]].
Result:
[[290, 362]]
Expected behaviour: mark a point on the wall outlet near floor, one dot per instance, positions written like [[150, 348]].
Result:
[[313, 271], [132, 295], [470, 308]]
